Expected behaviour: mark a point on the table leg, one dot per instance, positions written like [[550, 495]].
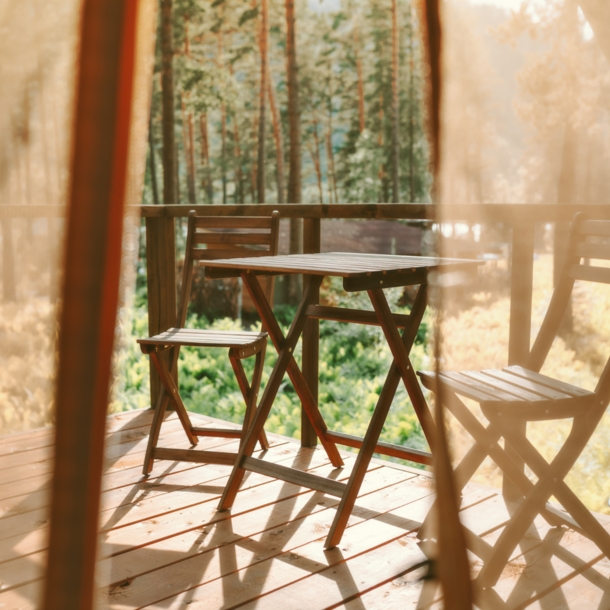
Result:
[[285, 362], [379, 416], [400, 352], [310, 404]]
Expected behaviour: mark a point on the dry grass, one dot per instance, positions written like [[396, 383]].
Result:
[[27, 335]]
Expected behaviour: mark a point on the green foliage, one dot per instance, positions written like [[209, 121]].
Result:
[[361, 168], [216, 76]]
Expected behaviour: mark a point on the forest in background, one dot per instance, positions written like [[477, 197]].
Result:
[[277, 102]]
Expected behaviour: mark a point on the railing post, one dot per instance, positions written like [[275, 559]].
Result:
[[161, 283], [311, 335], [8, 261], [521, 287]]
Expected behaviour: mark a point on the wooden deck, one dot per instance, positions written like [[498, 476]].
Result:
[[166, 547]]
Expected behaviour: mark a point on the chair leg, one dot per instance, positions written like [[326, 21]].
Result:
[[549, 477], [283, 364], [172, 391], [586, 523], [463, 473], [401, 369], [365, 454], [250, 391], [487, 438], [155, 429], [286, 361]]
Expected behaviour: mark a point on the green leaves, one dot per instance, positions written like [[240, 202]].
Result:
[[248, 15]]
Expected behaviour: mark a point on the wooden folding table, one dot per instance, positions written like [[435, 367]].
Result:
[[360, 272]]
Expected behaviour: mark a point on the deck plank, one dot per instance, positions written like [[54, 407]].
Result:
[[165, 545]]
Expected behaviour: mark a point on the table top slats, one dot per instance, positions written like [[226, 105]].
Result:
[[346, 265]]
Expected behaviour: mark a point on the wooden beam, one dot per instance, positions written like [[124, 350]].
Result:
[[92, 262], [298, 210], [161, 286], [471, 213], [311, 334], [521, 280]]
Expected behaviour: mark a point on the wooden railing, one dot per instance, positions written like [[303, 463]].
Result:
[[520, 217], [161, 253]]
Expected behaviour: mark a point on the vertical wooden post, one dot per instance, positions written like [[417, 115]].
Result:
[[8, 261], [311, 335], [521, 288], [161, 283]]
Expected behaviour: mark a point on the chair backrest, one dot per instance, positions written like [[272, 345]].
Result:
[[589, 241], [216, 237]]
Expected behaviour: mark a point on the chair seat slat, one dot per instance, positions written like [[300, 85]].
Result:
[[561, 386], [494, 393], [519, 393], [429, 380], [204, 338], [527, 384]]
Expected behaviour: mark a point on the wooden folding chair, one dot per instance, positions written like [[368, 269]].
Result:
[[211, 238], [512, 397]]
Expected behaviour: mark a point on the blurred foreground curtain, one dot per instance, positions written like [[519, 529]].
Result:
[[111, 102], [452, 567], [525, 140]]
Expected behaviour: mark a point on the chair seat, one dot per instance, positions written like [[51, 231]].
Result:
[[515, 393], [248, 343]]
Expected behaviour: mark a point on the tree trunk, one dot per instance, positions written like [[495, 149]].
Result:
[[205, 157], [189, 148], [381, 172], [192, 165], [315, 156], [332, 180], [277, 136], [153, 167], [187, 42], [360, 80], [330, 170], [9, 293], [223, 151], [167, 79], [395, 106], [190, 178], [411, 116], [239, 182], [223, 125], [262, 41], [253, 169], [237, 160], [294, 132]]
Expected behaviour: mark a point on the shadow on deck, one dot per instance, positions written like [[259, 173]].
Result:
[[165, 546]]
